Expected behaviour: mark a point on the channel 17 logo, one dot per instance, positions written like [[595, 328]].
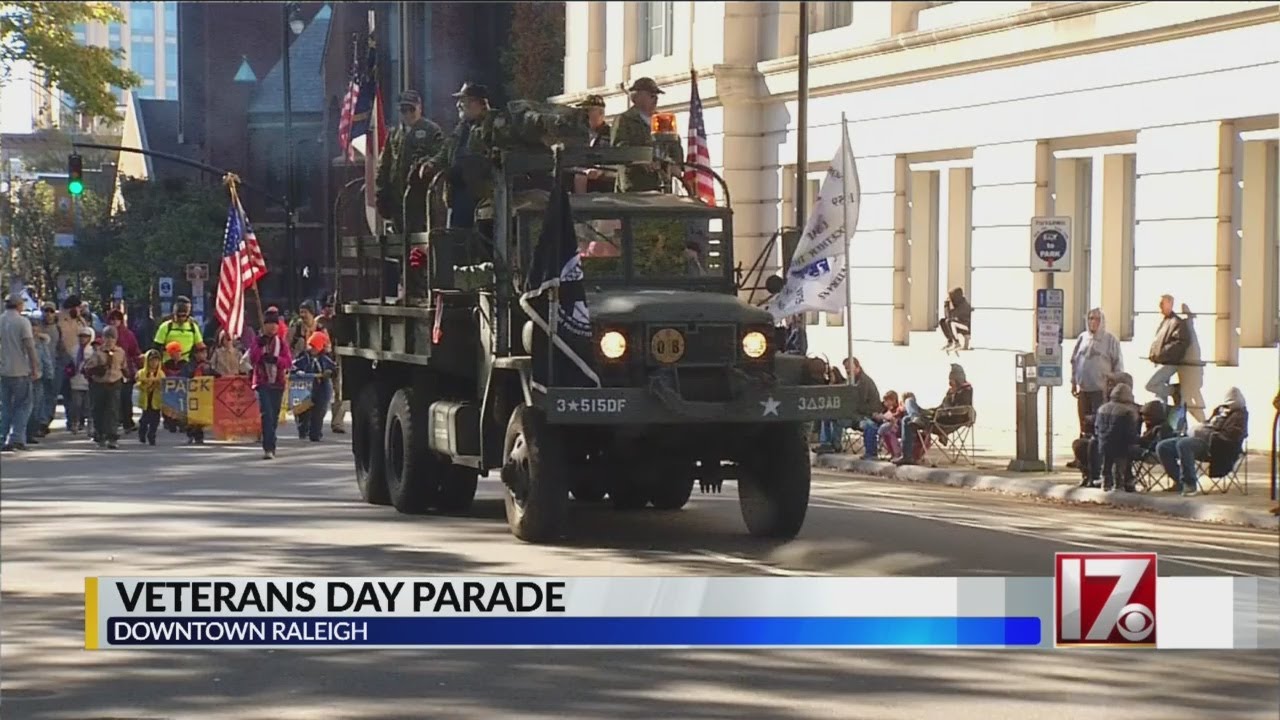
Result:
[[1105, 598]]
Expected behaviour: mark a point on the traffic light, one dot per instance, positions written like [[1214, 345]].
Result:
[[75, 174]]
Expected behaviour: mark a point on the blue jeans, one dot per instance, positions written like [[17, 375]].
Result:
[[15, 409], [1158, 385], [311, 422], [37, 405], [269, 400], [50, 406], [1178, 456], [907, 433], [831, 432], [870, 438]]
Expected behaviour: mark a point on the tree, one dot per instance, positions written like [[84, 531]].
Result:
[[533, 60], [41, 33], [34, 218], [164, 226]]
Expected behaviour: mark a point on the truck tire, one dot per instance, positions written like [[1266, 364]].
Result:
[[412, 473], [457, 489], [537, 498], [588, 493], [367, 446], [672, 491], [773, 483], [628, 495]]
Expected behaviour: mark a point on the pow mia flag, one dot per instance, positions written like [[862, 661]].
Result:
[[555, 278]]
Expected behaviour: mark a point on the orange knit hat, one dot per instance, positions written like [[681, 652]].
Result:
[[319, 340], [174, 348]]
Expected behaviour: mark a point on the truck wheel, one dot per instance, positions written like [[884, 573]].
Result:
[[628, 494], [411, 477], [674, 486], [367, 447], [537, 500], [458, 489], [773, 483], [588, 492]]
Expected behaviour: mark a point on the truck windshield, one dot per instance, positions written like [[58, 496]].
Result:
[[662, 248]]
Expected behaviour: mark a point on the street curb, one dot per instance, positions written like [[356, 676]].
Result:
[[1187, 508]]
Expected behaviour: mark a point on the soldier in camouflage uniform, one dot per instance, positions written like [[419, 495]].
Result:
[[634, 128], [409, 146], [595, 180], [468, 190]]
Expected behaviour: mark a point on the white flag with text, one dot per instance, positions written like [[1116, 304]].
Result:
[[819, 270]]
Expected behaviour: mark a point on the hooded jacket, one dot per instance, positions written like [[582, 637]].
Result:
[[960, 312], [1117, 424], [1228, 426], [150, 383], [1095, 356], [960, 392]]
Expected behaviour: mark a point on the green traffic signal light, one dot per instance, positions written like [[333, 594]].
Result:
[[75, 174]]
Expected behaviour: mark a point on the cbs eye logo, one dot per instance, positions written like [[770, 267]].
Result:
[[1105, 599]]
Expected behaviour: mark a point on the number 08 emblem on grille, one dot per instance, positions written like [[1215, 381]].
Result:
[[667, 345]]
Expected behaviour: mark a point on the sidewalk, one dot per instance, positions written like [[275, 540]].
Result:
[[990, 473]]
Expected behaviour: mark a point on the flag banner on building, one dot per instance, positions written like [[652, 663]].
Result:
[[992, 613], [556, 272], [818, 273], [698, 179], [227, 406], [300, 385]]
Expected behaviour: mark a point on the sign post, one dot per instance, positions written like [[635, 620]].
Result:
[[197, 274], [1050, 254]]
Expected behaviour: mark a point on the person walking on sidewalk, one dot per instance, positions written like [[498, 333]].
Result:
[[106, 374], [1168, 349], [128, 343], [271, 361], [315, 362], [19, 369], [150, 381]]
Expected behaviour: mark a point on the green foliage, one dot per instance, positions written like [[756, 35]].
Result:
[[533, 60], [33, 219], [41, 33], [164, 226]]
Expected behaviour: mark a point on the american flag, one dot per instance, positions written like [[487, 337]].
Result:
[[347, 118], [701, 181], [242, 266], [368, 122]]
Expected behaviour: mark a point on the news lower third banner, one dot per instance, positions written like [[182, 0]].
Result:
[[676, 612]]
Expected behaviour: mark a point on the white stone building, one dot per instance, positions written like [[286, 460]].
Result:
[[1152, 124]]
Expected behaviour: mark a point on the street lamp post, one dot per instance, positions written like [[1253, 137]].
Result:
[[292, 25]]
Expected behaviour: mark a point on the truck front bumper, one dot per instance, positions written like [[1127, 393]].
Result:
[[644, 406]]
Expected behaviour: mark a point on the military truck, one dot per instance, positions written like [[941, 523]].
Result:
[[693, 386]]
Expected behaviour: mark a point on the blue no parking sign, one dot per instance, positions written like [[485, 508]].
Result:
[[1051, 244]]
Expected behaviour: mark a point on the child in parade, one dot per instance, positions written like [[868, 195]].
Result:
[[106, 370], [269, 354], [199, 366], [316, 362], [150, 380], [173, 367], [78, 407]]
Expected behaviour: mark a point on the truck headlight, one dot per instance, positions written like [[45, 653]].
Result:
[[613, 345], [754, 344]]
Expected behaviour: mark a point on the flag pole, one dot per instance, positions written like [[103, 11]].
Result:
[[231, 179], [846, 152]]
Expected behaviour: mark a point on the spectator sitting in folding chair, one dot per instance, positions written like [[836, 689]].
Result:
[[1221, 438], [955, 412], [1156, 429], [1085, 447], [1116, 426]]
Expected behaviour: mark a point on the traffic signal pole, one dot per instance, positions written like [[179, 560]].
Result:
[[178, 159]]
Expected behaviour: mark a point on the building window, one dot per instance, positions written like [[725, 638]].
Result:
[[113, 37], [78, 31], [825, 16], [171, 18], [1258, 195], [170, 63], [657, 29], [142, 59], [142, 18]]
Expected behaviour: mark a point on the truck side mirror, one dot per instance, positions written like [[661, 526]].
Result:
[[774, 284]]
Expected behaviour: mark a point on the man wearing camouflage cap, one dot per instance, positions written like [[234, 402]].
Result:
[[414, 141], [634, 128], [595, 180]]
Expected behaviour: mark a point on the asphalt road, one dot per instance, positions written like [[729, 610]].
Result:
[[67, 511]]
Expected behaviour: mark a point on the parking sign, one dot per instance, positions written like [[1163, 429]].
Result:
[[1051, 244]]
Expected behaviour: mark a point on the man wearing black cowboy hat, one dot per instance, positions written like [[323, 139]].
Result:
[[634, 128], [595, 180], [473, 108], [414, 141]]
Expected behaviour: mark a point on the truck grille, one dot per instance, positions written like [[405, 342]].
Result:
[[705, 344]]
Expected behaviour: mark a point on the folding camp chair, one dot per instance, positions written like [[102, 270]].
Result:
[[1227, 476], [1149, 474], [954, 439], [853, 443]]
